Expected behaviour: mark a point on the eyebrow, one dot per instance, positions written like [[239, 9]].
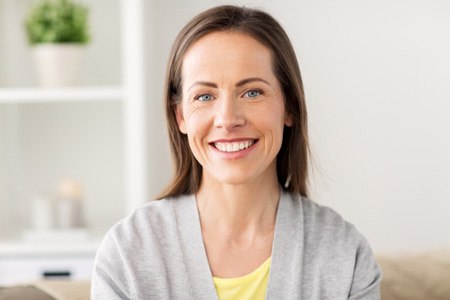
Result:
[[204, 83], [238, 84], [251, 79]]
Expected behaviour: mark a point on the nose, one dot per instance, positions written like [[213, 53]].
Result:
[[229, 115]]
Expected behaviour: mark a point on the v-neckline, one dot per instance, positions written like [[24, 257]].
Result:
[[287, 230]]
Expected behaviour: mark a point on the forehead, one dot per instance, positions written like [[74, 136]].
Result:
[[227, 52]]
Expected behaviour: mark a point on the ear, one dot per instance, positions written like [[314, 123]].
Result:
[[180, 118], [288, 120]]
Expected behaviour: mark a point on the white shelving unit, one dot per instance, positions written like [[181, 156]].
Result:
[[129, 95]]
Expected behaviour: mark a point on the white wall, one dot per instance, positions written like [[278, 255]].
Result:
[[376, 76], [10, 169], [14, 58], [4, 217]]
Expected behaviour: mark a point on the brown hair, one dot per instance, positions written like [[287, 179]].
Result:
[[292, 160]]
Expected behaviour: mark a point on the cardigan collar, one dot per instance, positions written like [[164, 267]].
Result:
[[287, 247]]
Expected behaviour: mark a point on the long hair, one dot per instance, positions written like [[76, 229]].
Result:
[[292, 160]]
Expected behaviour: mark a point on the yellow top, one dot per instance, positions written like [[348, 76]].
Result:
[[251, 286]]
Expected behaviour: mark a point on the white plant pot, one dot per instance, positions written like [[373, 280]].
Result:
[[58, 65]]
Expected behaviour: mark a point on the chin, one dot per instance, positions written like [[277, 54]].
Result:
[[234, 178]]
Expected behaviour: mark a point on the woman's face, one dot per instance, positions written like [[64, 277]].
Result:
[[232, 108]]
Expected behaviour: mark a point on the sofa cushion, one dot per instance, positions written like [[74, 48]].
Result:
[[23, 292], [48, 290], [416, 276]]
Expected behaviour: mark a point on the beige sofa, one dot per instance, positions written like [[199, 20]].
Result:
[[418, 276], [48, 290]]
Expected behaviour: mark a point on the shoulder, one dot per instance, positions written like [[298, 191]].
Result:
[[323, 227], [136, 248], [327, 239], [324, 219], [315, 216], [150, 223]]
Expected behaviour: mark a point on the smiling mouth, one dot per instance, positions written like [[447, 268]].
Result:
[[233, 146]]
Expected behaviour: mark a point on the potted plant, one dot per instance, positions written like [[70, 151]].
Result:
[[57, 30]]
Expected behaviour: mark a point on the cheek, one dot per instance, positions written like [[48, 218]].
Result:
[[197, 132], [195, 126], [271, 124], [277, 120], [272, 116], [188, 118]]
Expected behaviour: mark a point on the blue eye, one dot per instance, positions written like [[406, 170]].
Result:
[[252, 93], [204, 97]]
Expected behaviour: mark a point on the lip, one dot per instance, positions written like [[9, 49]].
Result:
[[233, 140], [237, 154]]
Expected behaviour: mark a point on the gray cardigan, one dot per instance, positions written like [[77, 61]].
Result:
[[158, 253]]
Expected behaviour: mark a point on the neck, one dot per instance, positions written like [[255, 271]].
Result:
[[236, 209]]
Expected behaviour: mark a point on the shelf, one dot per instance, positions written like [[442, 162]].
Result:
[[69, 94], [20, 248], [39, 134]]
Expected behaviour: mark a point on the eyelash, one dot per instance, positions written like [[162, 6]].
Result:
[[246, 95], [203, 95], [253, 90]]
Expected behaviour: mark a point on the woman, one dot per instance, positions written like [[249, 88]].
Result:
[[235, 222]]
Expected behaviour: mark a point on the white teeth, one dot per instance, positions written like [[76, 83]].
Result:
[[233, 147]]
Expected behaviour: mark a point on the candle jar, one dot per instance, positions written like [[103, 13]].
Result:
[[42, 214], [68, 207]]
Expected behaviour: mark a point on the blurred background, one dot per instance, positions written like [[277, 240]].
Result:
[[376, 77]]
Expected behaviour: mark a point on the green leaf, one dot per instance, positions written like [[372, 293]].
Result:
[[57, 21]]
